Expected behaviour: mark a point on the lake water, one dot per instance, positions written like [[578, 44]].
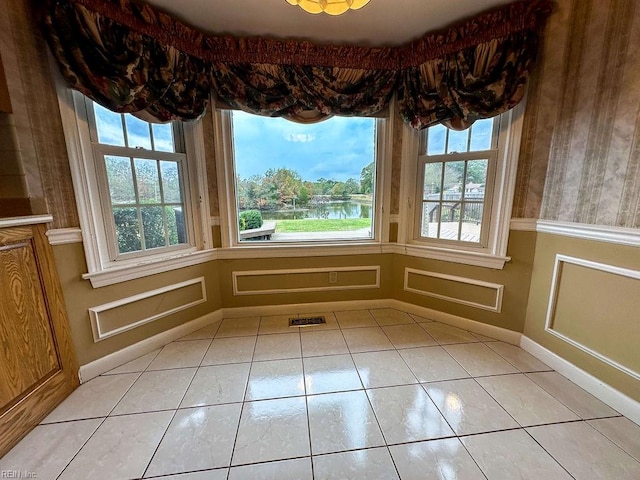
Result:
[[328, 210]]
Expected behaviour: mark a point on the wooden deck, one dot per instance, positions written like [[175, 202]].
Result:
[[263, 233]]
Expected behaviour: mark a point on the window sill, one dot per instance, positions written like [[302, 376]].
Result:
[[476, 259], [144, 268], [280, 250]]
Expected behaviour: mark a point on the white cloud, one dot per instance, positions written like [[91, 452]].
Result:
[[300, 137]]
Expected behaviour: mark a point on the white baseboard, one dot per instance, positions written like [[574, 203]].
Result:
[[292, 308], [609, 395], [115, 359]]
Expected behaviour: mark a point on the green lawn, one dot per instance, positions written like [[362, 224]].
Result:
[[316, 225]]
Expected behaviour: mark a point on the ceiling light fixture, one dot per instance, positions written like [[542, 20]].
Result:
[[332, 7]]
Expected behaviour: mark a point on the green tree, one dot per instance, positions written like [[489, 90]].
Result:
[[366, 178]]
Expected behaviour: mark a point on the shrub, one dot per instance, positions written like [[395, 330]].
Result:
[[250, 219]]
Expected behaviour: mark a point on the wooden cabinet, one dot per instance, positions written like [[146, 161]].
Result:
[[5, 102], [37, 363]]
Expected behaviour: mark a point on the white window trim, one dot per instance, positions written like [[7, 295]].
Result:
[[495, 255], [232, 248], [102, 271]]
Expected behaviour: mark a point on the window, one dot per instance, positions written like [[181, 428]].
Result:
[[140, 189], [456, 182], [459, 187], [291, 182], [141, 173]]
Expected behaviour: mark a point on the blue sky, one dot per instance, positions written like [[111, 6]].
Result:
[[338, 148]]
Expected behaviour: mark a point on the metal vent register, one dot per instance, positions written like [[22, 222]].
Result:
[[306, 321]]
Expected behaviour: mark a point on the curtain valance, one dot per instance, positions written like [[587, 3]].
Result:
[[130, 57]]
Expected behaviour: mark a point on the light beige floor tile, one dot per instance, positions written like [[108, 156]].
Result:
[[140, 364], [153, 391], [420, 318], [581, 402], [197, 439], [391, 316], [447, 335], [523, 361], [96, 398], [47, 449], [180, 355], [432, 364], [275, 379], [277, 324], [342, 421], [366, 339], [272, 430], [335, 373], [230, 350], [298, 469], [329, 317], [277, 347], [468, 407], [238, 327], [204, 333], [383, 369], [483, 338], [513, 454], [370, 464], [525, 401], [217, 384], [120, 448], [478, 359], [445, 459], [408, 336], [355, 319], [218, 474], [407, 414], [621, 431], [322, 342], [585, 452]]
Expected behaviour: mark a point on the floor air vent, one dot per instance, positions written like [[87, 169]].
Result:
[[306, 321]]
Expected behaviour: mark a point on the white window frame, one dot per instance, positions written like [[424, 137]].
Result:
[[89, 189], [233, 248], [492, 251]]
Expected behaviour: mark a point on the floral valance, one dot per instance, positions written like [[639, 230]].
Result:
[[131, 57]]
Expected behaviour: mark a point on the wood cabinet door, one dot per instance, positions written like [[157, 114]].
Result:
[[37, 364]]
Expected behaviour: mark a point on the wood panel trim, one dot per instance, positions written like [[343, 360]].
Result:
[[553, 301]]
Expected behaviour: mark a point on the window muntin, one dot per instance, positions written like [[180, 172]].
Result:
[[455, 183], [142, 178], [311, 182]]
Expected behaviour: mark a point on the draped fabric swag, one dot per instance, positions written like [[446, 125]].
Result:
[[130, 58]]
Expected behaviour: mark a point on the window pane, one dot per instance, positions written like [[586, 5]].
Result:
[[127, 229], [120, 180], [432, 181], [175, 225], [457, 141], [137, 132], [304, 182], [170, 182], [476, 179], [153, 226], [481, 134], [109, 126], [472, 222], [147, 181], [436, 139], [430, 219], [453, 173], [163, 137]]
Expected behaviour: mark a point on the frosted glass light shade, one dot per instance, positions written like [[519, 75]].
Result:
[[332, 7]]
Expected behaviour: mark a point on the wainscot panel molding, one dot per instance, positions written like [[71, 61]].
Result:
[[617, 400], [148, 345], [494, 306], [554, 297], [101, 330], [316, 279], [63, 236]]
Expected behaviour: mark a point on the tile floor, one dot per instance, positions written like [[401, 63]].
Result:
[[373, 394]]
